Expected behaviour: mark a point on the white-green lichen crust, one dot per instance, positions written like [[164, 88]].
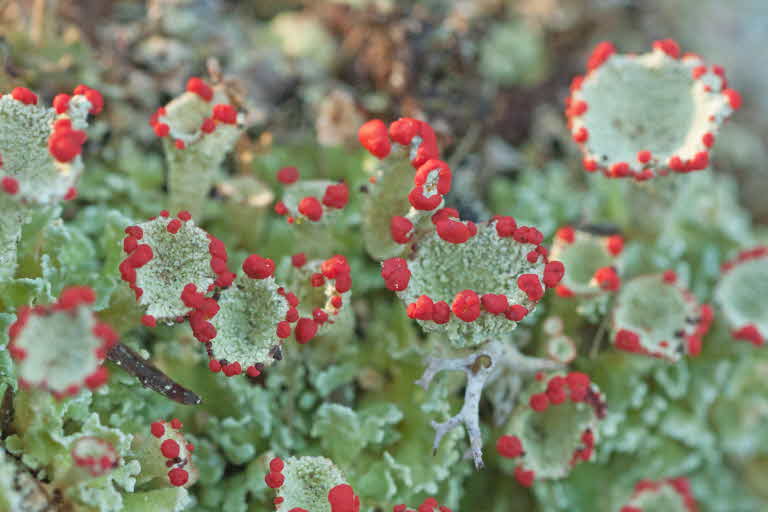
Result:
[[662, 315], [741, 294], [60, 349], [582, 258], [663, 499], [486, 263], [13, 215], [648, 102], [246, 324], [307, 483], [191, 170], [178, 259], [24, 148], [551, 437]]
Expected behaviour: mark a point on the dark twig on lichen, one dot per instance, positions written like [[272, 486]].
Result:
[[150, 376]]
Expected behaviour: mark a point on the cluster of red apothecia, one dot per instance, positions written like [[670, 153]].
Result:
[[575, 387], [64, 143], [342, 497], [171, 451], [643, 169]]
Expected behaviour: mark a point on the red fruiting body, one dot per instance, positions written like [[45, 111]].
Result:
[[553, 273], [199, 87], [178, 477], [298, 260], [734, 98], [305, 330], [10, 185], [524, 478], [227, 114], [607, 279], [600, 54], [396, 274], [148, 320], [422, 309], [566, 234], [24, 95], [373, 136], [65, 143], [283, 329], [530, 284], [509, 446], [336, 196], [173, 226], [342, 499], [614, 244], [400, 229], [274, 479], [539, 402], [208, 125], [311, 208], [335, 267], [288, 175], [644, 156], [276, 465], [257, 267], [61, 103], [421, 202], [441, 312], [162, 129], [749, 333], [443, 175], [581, 135], [466, 305], [495, 304], [157, 429], [669, 276], [668, 46], [628, 341], [505, 226], [452, 231], [516, 312], [170, 449], [404, 129]]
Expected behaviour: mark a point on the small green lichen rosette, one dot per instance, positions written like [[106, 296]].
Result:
[[671, 495], [591, 261], [656, 316], [165, 455], [741, 295], [399, 201], [643, 116], [310, 201], [310, 483], [553, 428], [40, 160], [61, 347], [473, 282], [164, 256], [199, 128], [254, 318]]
